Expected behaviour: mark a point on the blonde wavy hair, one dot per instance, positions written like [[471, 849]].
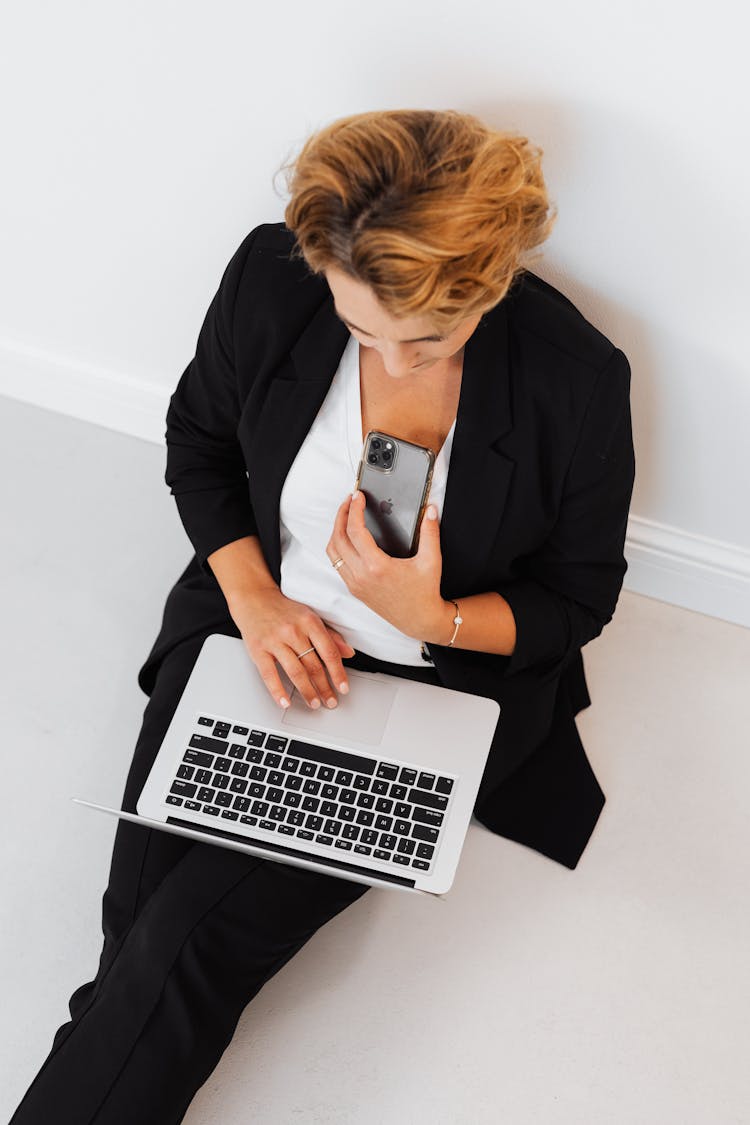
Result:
[[431, 209]]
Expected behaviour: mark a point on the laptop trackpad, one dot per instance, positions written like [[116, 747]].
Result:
[[361, 715]]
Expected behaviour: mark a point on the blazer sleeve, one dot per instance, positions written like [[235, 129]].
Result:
[[569, 588], [205, 469]]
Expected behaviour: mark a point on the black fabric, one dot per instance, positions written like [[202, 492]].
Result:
[[191, 933], [536, 502]]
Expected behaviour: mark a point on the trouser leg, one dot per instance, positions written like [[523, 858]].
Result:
[[165, 956]]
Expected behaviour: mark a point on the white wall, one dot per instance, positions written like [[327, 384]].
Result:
[[142, 142]]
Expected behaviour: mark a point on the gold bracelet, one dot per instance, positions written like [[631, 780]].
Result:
[[457, 621]]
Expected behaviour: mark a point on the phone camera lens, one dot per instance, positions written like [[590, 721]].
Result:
[[372, 458], [387, 455], [375, 443]]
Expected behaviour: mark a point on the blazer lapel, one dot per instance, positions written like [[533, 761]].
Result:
[[480, 473], [294, 397]]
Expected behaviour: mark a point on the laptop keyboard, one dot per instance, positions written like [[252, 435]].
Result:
[[347, 802]]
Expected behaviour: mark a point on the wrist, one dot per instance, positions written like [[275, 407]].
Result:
[[442, 626]]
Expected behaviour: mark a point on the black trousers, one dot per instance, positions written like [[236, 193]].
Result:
[[191, 934]]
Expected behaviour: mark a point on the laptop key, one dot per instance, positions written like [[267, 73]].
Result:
[[198, 758], [343, 844], [238, 785], [204, 722], [425, 780], [211, 810], [278, 812], [242, 804], [378, 853], [428, 800], [205, 742], [276, 742], [425, 851], [251, 820], [260, 808], [407, 776], [420, 864], [172, 800], [362, 849], [401, 827], [444, 785], [406, 847], [295, 817], [185, 772], [236, 750], [268, 825], [223, 765], [256, 738], [427, 816], [241, 731], [396, 858], [303, 834], [202, 777], [332, 827], [229, 815], [321, 839], [223, 800], [361, 782], [387, 841], [422, 832], [389, 772], [205, 794], [183, 788], [239, 769], [286, 829], [194, 806], [384, 823], [220, 781]]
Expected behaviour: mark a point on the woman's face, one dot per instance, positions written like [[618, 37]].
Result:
[[407, 345]]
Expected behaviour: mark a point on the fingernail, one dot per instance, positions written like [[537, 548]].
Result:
[[330, 702], [343, 688], [315, 703], [284, 702], [431, 512], [355, 494]]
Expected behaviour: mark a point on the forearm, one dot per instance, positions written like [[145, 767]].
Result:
[[240, 568], [488, 624]]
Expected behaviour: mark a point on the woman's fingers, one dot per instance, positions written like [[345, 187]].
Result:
[[312, 674]]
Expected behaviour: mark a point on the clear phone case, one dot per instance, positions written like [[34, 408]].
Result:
[[395, 477]]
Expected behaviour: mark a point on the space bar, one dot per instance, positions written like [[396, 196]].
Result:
[[332, 757]]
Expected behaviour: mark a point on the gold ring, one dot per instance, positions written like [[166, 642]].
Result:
[[301, 654], [339, 563]]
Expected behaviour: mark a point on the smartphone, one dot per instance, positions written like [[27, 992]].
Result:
[[395, 477]]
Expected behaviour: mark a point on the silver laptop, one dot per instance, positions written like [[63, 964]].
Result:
[[380, 789]]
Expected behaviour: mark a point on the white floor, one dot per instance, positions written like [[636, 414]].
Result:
[[617, 994]]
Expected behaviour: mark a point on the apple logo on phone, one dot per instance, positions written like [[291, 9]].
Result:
[[386, 507]]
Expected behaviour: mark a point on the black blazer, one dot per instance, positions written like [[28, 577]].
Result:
[[535, 507]]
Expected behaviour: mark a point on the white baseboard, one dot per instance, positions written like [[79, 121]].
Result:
[[688, 570], [664, 562]]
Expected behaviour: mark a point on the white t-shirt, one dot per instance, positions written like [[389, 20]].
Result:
[[320, 477]]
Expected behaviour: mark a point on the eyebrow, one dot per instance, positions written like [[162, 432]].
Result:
[[418, 340]]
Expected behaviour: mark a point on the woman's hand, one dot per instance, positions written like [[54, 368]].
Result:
[[275, 629], [405, 592]]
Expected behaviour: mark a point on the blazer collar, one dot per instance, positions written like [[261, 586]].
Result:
[[480, 473]]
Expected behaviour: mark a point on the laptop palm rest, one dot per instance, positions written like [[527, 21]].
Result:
[[361, 715]]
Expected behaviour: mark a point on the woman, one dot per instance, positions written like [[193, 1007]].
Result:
[[394, 297]]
